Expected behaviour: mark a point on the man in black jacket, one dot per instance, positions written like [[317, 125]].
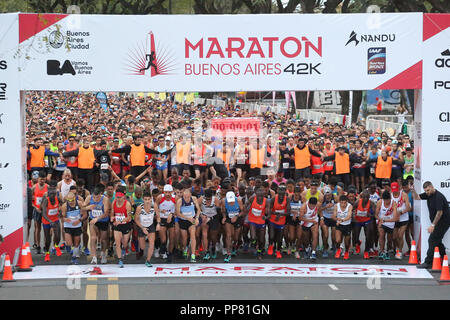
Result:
[[439, 217]]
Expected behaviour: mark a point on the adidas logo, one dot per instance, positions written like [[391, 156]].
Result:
[[443, 62]]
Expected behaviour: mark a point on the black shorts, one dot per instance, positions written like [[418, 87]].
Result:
[[37, 216], [329, 222], [396, 173], [166, 224], [124, 228], [151, 229], [214, 222], [243, 167], [290, 221], [345, 229], [387, 229], [101, 225], [74, 232], [359, 172], [74, 171], [30, 213], [328, 173], [399, 224], [237, 224], [184, 224], [199, 168], [304, 228]]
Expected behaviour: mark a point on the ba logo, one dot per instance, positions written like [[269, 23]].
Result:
[[149, 61], [53, 68], [443, 62]]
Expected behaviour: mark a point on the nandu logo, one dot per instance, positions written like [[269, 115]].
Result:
[[266, 47]]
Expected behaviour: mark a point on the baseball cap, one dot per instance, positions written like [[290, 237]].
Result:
[[327, 190], [231, 196], [35, 174], [168, 188], [395, 187]]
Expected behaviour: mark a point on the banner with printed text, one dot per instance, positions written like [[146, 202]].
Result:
[[233, 53]]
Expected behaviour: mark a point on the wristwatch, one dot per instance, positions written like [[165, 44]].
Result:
[[433, 225]]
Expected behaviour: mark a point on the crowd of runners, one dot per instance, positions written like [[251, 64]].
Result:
[[146, 179]]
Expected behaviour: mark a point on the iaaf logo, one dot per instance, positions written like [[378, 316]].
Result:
[[147, 58], [353, 37], [443, 62]]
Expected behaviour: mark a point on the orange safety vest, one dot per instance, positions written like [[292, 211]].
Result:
[[199, 158], [37, 157], [384, 168], [302, 157], [137, 155], [225, 157], [256, 158], [342, 163], [328, 166], [316, 165], [86, 158], [72, 164], [183, 152]]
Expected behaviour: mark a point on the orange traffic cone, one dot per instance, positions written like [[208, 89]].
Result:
[[24, 261], [413, 254], [7, 271], [436, 261], [29, 254], [445, 274]]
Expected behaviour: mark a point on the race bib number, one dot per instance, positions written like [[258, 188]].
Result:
[[256, 212], [270, 163], [120, 218], [147, 219], [39, 201], [46, 162], [279, 211], [233, 214], [285, 165], [372, 170], [72, 159], [52, 212], [361, 213], [96, 213], [104, 166]]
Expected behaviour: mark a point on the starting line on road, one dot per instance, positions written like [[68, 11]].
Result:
[[225, 270]]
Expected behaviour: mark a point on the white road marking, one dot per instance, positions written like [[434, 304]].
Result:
[[332, 286]]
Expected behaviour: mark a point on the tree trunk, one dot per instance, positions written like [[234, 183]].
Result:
[[357, 99], [345, 102]]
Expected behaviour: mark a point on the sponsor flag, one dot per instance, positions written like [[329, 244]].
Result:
[[102, 100]]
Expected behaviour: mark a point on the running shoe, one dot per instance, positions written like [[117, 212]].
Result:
[[214, 255], [38, 250], [382, 256], [120, 263], [233, 252], [68, 249], [58, 251], [185, 252], [270, 250], [53, 251], [366, 255], [35, 246], [297, 255], [193, 258], [123, 253], [62, 245], [148, 264], [224, 251], [47, 257], [338, 253], [346, 255], [398, 255], [325, 254], [313, 256], [164, 256], [103, 260], [227, 258], [133, 247], [278, 254], [156, 253], [74, 260], [386, 256], [206, 257], [86, 252], [284, 249], [358, 247], [289, 251], [201, 248], [94, 260]]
